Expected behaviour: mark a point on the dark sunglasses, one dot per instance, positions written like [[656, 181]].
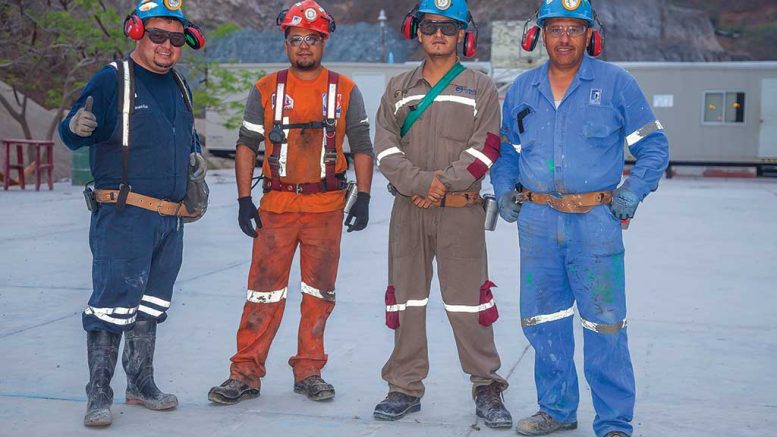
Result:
[[448, 28], [159, 36], [296, 40]]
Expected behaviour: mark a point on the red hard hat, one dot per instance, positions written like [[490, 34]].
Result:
[[308, 15]]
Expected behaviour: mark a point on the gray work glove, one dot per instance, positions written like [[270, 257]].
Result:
[[199, 167], [624, 203], [510, 205], [84, 122]]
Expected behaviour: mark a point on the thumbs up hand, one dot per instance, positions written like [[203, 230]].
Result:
[[84, 122]]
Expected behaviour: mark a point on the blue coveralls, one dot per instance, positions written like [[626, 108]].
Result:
[[566, 257], [137, 253]]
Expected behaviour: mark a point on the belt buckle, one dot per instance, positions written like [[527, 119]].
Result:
[[298, 188], [158, 207]]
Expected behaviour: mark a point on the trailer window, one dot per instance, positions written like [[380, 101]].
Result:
[[724, 107]]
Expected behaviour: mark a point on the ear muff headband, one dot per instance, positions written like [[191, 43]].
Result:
[[410, 24], [596, 44], [470, 48], [194, 36], [531, 35]]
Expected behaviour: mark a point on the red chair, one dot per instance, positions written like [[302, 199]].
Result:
[[38, 165]]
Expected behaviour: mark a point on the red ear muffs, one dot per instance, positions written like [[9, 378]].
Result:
[[530, 38], [470, 44], [133, 27], [596, 44], [194, 36], [409, 26]]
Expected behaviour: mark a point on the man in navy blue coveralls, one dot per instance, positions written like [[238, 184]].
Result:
[[136, 252], [563, 133]]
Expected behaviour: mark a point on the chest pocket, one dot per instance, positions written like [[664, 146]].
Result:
[[602, 126], [525, 123]]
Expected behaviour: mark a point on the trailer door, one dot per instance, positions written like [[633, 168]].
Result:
[[767, 144]]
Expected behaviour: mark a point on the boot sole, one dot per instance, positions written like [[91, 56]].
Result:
[[494, 425], [411, 409], [219, 399], [564, 427], [98, 422], [131, 400], [323, 395]]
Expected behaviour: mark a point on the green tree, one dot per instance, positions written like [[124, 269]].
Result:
[[50, 49]]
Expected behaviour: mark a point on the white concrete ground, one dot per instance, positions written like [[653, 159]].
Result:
[[701, 281]]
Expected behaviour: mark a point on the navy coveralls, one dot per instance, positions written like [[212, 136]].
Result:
[[578, 258], [137, 253]]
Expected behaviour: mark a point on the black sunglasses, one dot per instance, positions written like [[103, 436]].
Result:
[[159, 36], [448, 27]]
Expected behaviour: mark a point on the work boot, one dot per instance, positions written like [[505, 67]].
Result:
[[231, 392], [102, 350], [616, 434], [542, 424], [396, 406], [489, 406], [315, 388], [138, 361]]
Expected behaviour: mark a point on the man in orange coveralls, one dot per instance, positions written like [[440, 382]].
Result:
[[302, 114]]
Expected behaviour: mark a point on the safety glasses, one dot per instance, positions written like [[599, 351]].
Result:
[[448, 28], [557, 31], [159, 36], [296, 40]]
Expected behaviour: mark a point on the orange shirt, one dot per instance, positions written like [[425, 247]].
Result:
[[304, 103]]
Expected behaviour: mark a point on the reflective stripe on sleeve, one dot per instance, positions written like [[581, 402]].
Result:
[[644, 131], [389, 151], [253, 127], [545, 318], [480, 156], [409, 303], [267, 296], [603, 328]]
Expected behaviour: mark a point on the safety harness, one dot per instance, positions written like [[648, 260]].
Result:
[[126, 104], [278, 137]]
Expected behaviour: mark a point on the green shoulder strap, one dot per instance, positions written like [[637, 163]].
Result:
[[413, 116]]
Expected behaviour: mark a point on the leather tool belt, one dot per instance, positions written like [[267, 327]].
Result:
[[459, 199], [163, 207], [307, 188], [571, 203]]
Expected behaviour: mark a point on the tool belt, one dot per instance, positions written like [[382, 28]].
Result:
[[307, 188], [163, 207], [571, 203], [459, 199]]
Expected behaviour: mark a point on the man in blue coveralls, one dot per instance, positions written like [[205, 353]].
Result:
[[135, 116], [563, 130]]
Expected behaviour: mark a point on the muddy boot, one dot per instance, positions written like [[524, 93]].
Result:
[[616, 434], [138, 361], [489, 406], [315, 388], [102, 348], [542, 424], [396, 406], [231, 392]]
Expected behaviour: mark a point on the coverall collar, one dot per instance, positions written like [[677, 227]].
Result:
[[585, 72]]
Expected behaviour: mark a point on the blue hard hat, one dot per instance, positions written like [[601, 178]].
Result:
[[455, 9], [160, 8], [579, 9]]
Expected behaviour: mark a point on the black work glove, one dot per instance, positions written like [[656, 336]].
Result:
[[360, 210], [247, 213]]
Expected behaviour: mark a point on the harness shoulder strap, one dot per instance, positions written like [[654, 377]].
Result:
[[125, 76], [415, 114], [275, 156], [330, 147]]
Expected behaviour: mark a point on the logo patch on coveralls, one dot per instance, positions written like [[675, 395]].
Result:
[[596, 97], [464, 90], [570, 5], [288, 102], [442, 4]]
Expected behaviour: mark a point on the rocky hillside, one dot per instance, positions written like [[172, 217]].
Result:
[[645, 30]]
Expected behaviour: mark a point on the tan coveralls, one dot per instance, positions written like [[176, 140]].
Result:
[[457, 134]]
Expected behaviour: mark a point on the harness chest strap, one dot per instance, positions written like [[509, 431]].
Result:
[[163, 207], [331, 180], [570, 203]]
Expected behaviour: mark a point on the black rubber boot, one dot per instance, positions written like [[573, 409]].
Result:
[[315, 388], [396, 406], [138, 361], [102, 348], [489, 406]]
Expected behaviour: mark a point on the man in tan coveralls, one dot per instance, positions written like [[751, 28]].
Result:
[[435, 168]]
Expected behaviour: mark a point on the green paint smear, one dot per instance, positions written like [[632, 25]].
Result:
[[551, 165]]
